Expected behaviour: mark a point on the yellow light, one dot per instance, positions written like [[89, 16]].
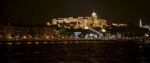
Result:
[[47, 37], [103, 30], [10, 37], [86, 27], [24, 37]]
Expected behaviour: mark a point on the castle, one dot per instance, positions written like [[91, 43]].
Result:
[[81, 22]]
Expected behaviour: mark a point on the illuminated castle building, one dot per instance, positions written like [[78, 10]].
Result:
[[81, 22]]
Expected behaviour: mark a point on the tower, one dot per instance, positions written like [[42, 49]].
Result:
[[95, 20], [94, 15], [140, 23]]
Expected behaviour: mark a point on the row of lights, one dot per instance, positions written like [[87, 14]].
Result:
[[65, 42], [29, 37]]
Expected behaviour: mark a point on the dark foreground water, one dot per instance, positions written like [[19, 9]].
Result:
[[74, 52]]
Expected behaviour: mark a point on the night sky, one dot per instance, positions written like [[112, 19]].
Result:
[[35, 12]]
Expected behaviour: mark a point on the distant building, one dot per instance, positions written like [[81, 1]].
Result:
[[81, 22], [143, 26], [25, 32], [119, 24], [140, 23]]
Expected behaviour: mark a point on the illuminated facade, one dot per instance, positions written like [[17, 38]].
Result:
[[81, 22], [25, 32], [119, 24], [143, 26], [140, 23]]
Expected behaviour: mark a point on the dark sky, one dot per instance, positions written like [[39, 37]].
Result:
[[34, 12]]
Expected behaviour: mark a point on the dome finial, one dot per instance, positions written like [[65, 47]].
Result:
[[94, 14]]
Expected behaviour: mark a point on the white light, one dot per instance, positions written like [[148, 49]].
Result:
[[9, 43], [103, 30], [48, 23], [146, 35], [77, 33], [29, 42], [94, 14], [24, 37], [47, 37], [10, 37], [36, 42], [86, 27]]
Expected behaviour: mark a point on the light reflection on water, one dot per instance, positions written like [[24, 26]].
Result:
[[70, 52], [29, 42]]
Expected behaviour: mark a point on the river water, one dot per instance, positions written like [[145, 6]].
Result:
[[74, 52]]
